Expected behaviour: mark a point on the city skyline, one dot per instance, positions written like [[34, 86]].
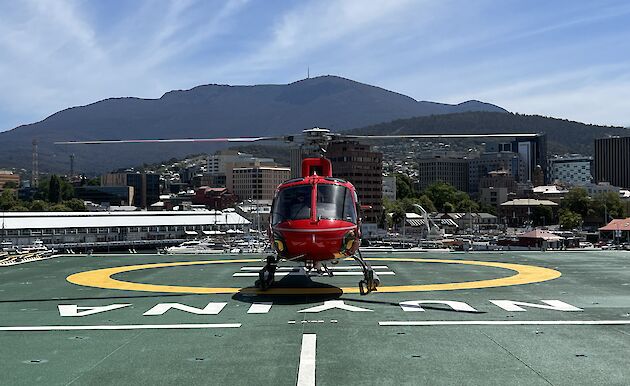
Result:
[[562, 59]]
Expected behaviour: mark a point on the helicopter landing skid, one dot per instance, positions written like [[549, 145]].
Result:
[[370, 278], [266, 275]]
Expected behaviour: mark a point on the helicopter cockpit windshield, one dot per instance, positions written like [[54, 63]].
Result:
[[334, 202], [292, 204]]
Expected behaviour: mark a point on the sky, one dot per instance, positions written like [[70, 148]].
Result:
[[566, 59]]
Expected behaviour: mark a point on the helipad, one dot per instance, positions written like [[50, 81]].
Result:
[[517, 318], [525, 274]]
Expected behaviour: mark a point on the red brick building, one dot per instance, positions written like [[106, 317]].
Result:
[[214, 198]]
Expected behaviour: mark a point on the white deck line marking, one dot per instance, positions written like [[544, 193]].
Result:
[[503, 322], [345, 268], [306, 371], [281, 274], [122, 327], [260, 308]]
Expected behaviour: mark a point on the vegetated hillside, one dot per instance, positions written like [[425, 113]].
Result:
[[563, 136], [205, 112]]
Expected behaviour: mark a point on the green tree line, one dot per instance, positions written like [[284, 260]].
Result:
[[578, 208], [53, 194], [437, 197]]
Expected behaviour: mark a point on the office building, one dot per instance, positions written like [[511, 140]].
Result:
[[570, 170], [220, 167], [612, 161], [363, 167], [258, 183], [453, 171], [146, 186], [110, 195], [8, 177], [490, 161], [497, 187]]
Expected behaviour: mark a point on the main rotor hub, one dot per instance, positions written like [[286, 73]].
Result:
[[317, 139]]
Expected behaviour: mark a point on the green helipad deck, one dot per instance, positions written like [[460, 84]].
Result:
[[560, 318]]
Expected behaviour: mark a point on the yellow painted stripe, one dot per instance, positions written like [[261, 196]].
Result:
[[102, 278]]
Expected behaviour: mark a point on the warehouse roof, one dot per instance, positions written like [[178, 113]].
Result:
[[529, 202], [36, 220]]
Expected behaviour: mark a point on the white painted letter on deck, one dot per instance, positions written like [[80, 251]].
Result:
[[555, 305], [330, 304], [414, 305], [260, 308], [74, 310], [210, 309]]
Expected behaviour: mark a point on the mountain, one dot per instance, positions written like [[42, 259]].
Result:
[[563, 136], [208, 111]]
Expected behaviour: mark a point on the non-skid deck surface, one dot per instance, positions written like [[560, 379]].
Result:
[[458, 323]]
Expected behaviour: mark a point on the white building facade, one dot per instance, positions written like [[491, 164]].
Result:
[[574, 170]]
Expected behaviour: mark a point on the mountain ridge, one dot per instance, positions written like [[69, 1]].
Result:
[[208, 111]]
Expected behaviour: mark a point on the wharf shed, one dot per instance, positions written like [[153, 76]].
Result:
[[88, 227]]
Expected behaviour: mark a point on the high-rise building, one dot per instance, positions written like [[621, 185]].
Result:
[[363, 167], [612, 162], [496, 187], [146, 186], [531, 151], [258, 183], [570, 170], [490, 161], [224, 160], [453, 171], [222, 164]]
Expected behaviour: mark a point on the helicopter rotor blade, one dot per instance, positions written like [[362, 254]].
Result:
[[436, 136], [288, 138]]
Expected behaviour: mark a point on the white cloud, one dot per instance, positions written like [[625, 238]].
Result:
[[56, 54]]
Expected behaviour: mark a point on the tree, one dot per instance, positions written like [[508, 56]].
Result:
[[404, 186], [607, 205], [39, 206], [577, 201], [75, 205], [448, 199], [19, 208], [67, 190], [398, 216], [11, 185], [440, 193], [8, 200], [448, 207], [463, 202], [569, 219], [542, 215], [409, 204], [426, 203], [54, 189], [59, 208]]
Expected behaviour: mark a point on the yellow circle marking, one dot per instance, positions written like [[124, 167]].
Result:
[[102, 278]]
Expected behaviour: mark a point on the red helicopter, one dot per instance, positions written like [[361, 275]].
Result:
[[315, 219]]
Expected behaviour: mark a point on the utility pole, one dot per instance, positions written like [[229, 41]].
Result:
[[71, 165], [35, 167]]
